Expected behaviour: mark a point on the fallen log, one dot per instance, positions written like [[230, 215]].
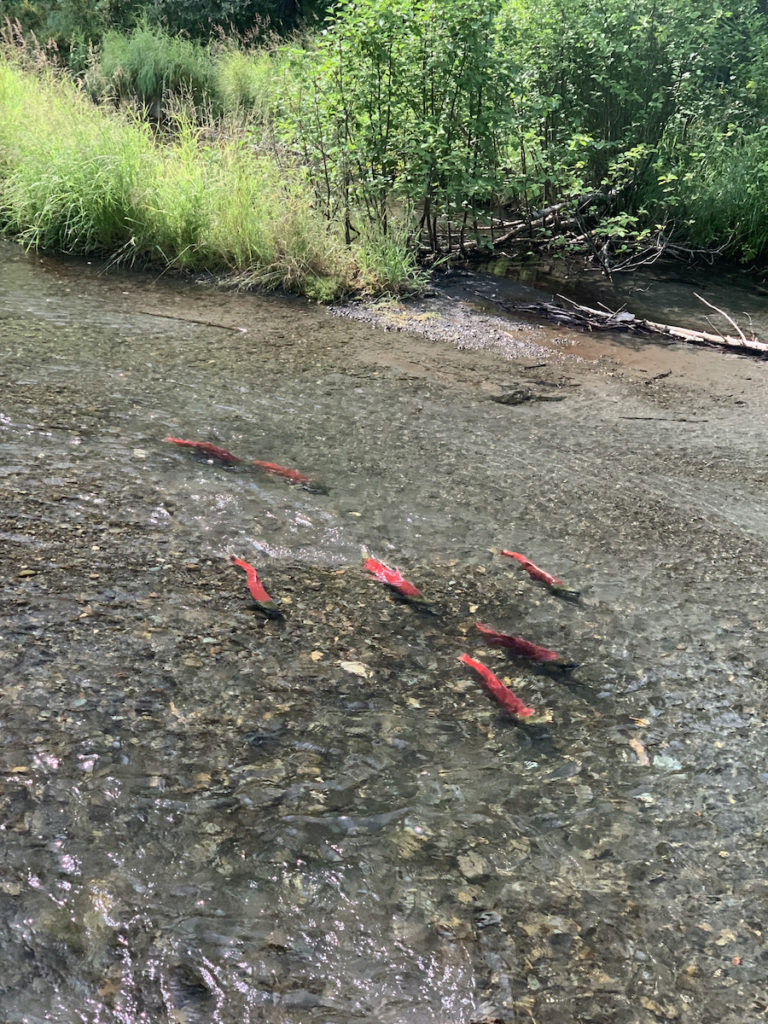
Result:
[[587, 319]]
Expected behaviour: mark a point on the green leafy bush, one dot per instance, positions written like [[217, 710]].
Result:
[[632, 120], [405, 102]]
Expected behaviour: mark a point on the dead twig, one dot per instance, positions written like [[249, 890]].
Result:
[[588, 319], [190, 320], [723, 314]]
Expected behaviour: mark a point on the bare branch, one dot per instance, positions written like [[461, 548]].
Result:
[[722, 313], [588, 319]]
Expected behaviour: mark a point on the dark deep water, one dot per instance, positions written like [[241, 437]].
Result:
[[209, 817]]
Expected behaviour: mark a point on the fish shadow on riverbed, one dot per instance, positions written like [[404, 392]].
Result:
[[206, 460], [559, 672], [267, 613], [315, 487], [532, 735], [420, 607], [268, 740], [522, 395]]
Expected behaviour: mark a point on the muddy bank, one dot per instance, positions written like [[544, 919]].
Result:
[[210, 816]]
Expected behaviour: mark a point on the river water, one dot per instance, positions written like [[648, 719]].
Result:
[[209, 816]]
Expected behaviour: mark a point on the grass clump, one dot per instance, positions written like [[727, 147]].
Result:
[[152, 69], [67, 174], [148, 63], [79, 179], [246, 81], [721, 191]]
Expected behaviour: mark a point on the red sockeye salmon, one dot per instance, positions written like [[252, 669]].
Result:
[[263, 601], [394, 579], [557, 586], [206, 448], [497, 691]]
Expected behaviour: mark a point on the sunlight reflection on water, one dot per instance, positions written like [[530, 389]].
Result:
[[210, 817]]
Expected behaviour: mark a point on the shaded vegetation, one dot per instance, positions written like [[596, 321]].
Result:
[[72, 22], [623, 131], [148, 64]]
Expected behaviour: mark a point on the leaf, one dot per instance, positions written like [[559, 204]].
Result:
[[356, 668], [640, 751]]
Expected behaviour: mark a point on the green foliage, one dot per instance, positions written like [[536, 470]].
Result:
[[74, 24], [243, 81], [388, 257], [77, 179], [412, 120], [64, 186], [617, 98], [255, 84], [598, 90], [148, 64], [721, 193], [151, 68], [713, 157], [405, 102], [456, 106], [204, 18], [71, 26]]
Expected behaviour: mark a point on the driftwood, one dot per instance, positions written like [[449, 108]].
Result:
[[587, 319], [523, 228]]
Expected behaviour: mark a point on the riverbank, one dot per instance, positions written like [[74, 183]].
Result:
[[91, 181]]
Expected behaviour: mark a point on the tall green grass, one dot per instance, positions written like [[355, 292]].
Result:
[[246, 81], [76, 178], [148, 64], [148, 67], [67, 174], [722, 193]]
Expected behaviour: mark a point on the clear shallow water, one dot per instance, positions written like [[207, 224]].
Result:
[[669, 293], [210, 818]]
